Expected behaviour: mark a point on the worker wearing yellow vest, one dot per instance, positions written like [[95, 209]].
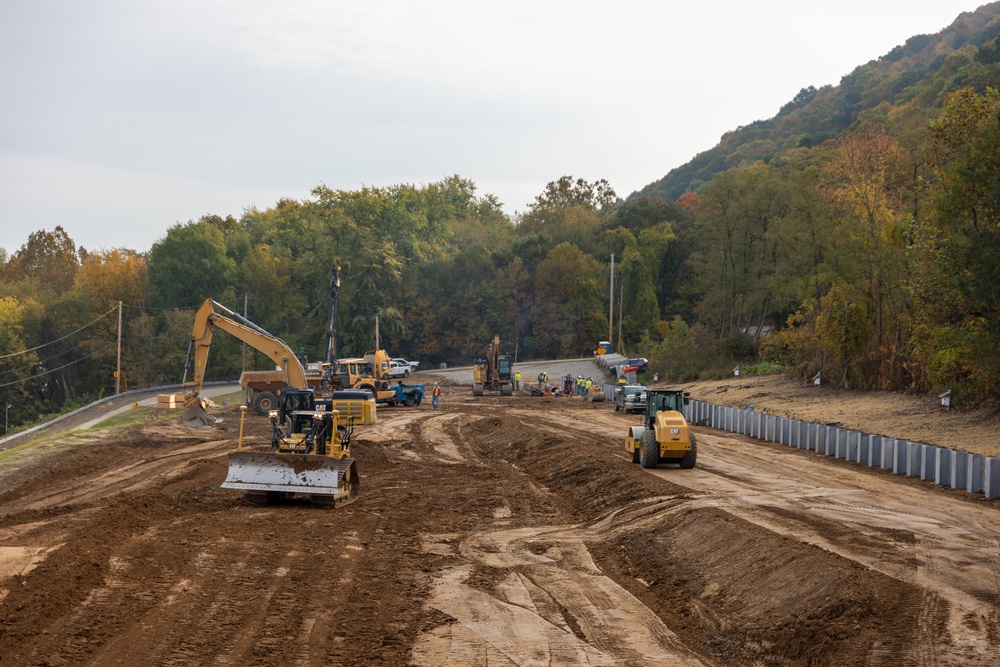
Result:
[[435, 395], [517, 380]]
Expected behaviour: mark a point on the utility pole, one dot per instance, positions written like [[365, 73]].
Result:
[[621, 339], [611, 301], [331, 331], [246, 305], [118, 371]]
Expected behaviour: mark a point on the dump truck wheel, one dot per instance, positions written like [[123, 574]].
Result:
[[650, 449], [691, 456], [264, 402]]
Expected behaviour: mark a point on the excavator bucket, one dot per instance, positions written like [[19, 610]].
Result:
[[325, 479], [196, 416]]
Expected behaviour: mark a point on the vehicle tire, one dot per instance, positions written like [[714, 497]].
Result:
[[650, 449], [617, 408], [406, 372], [636, 455], [370, 388], [264, 402], [409, 401], [691, 456]]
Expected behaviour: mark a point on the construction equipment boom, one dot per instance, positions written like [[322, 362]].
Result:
[[310, 443], [494, 372]]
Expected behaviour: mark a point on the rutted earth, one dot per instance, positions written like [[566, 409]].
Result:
[[498, 531]]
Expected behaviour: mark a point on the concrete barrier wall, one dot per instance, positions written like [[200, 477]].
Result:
[[945, 467]]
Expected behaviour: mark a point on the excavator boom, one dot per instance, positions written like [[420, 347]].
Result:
[[206, 321]]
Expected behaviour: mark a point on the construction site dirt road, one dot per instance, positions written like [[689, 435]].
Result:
[[496, 531]]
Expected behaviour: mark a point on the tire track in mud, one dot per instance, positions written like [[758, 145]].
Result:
[[550, 605]]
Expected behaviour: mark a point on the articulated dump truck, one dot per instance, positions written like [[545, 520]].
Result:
[[310, 438]]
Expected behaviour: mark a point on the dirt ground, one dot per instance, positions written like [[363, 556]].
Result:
[[496, 531]]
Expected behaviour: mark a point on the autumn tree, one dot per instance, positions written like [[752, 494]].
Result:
[[866, 181], [50, 259]]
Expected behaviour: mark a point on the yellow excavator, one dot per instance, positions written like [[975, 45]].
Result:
[[310, 441], [494, 372]]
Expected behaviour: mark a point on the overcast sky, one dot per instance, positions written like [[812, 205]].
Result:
[[121, 118]]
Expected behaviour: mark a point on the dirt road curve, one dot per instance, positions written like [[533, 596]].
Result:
[[499, 531]]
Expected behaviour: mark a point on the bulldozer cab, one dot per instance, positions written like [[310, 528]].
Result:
[[293, 400]]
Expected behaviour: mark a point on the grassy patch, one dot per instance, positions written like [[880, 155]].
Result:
[[137, 415]]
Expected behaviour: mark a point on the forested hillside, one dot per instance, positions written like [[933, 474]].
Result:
[[855, 235]]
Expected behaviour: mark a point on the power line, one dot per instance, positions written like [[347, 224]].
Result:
[[10, 384], [52, 342], [40, 362]]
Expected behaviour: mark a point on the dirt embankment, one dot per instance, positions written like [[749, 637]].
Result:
[[898, 415]]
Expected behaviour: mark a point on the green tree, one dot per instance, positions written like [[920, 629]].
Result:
[[189, 265], [957, 333], [569, 312]]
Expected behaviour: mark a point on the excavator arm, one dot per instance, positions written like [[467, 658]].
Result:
[[206, 321]]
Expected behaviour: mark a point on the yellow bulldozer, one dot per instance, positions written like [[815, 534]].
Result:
[[665, 435], [494, 372], [310, 438]]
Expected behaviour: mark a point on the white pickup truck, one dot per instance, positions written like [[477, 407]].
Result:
[[401, 368]]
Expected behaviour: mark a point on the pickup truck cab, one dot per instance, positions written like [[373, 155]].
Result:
[[630, 398], [398, 370]]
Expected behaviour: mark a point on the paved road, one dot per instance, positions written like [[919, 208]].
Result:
[[208, 392], [529, 371]]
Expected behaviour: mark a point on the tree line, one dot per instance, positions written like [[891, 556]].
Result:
[[871, 258]]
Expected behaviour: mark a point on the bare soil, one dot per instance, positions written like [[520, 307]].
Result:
[[500, 531]]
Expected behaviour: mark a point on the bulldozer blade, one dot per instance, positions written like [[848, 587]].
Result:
[[196, 416], [328, 479]]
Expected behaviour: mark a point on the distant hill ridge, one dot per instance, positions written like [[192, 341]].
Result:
[[916, 74]]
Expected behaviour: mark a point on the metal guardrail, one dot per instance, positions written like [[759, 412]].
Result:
[[973, 473], [109, 399]]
